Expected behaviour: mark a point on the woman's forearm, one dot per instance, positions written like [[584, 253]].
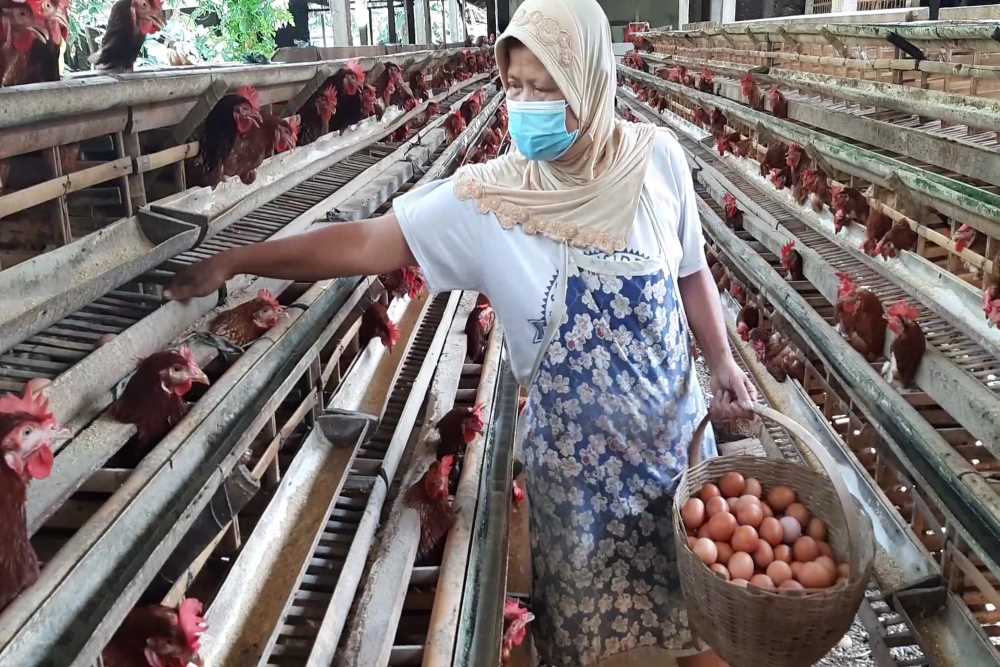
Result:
[[704, 313], [348, 249]]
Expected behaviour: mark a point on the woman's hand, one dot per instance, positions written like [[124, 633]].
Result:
[[733, 393], [200, 279]]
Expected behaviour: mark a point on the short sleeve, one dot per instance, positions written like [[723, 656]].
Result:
[[443, 236], [689, 231]]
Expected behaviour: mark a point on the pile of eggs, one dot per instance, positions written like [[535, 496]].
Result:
[[750, 538]]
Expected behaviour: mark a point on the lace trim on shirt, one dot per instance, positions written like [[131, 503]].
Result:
[[547, 31], [509, 215]]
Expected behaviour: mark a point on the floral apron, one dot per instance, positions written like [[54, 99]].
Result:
[[612, 407]]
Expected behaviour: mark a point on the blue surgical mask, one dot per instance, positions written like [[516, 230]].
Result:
[[539, 129]]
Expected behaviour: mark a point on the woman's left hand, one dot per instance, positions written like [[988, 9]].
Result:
[[733, 393]]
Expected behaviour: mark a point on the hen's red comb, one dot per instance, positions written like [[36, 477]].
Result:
[[393, 332], [294, 124], [188, 355], [330, 93], [445, 465], [846, 283], [477, 410], [32, 402], [787, 249], [904, 311], [359, 72], [268, 298], [192, 624], [250, 94]]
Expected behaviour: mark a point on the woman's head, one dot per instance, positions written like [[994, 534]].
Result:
[[556, 50]]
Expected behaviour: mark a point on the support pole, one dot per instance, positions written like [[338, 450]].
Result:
[[491, 16], [411, 28], [340, 22], [455, 22], [422, 19], [503, 15], [683, 13], [391, 9]]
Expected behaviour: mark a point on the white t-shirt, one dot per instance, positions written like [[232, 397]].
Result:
[[460, 248]]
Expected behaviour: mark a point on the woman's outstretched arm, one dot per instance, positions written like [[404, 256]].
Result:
[[732, 389], [344, 249]]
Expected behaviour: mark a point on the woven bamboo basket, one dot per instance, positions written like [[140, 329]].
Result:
[[752, 627]]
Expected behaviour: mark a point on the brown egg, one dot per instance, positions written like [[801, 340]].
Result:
[[762, 581], [720, 570], [709, 491], [805, 549], [753, 488], [703, 530], [732, 484], [844, 570], [824, 549], [705, 549], [721, 526], [814, 575], [740, 566], [725, 551], [771, 531], [791, 585], [816, 529], [691, 541], [791, 529], [693, 513], [749, 514], [801, 514], [780, 497], [796, 568], [733, 504], [764, 555], [742, 583], [779, 571], [828, 563], [714, 505], [783, 552], [767, 510], [745, 539]]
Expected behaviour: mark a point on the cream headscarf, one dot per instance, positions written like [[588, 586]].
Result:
[[589, 197]]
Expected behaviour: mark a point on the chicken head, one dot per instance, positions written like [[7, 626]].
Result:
[[473, 424], [23, 28], [269, 312], [27, 430], [148, 16], [286, 134], [326, 102], [436, 478], [901, 313], [246, 114], [179, 371]]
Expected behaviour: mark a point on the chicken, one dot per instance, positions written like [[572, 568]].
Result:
[[635, 61], [734, 216], [718, 274], [791, 261], [478, 328], [750, 91], [848, 205], [129, 23], [458, 428], [517, 492], [27, 430], [779, 105], [673, 74], [232, 118], [23, 35], [375, 323], [909, 345], [991, 302], [701, 118], [387, 82], [860, 318], [515, 621], [793, 160], [817, 185], [718, 122], [706, 82], [430, 498], [964, 237], [158, 636], [248, 321], [418, 85], [153, 399], [469, 109], [407, 281], [454, 126], [370, 103], [251, 149], [746, 321], [791, 361], [349, 109], [732, 143], [877, 226], [769, 346], [775, 164], [899, 237], [316, 113], [738, 291]]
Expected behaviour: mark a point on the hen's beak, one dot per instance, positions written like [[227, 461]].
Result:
[[197, 375], [60, 434], [157, 21]]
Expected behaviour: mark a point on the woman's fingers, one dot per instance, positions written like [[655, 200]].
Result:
[[199, 279]]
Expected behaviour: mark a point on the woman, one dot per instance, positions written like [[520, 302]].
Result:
[[588, 243]]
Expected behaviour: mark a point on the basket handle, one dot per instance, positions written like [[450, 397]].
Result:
[[825, 461]]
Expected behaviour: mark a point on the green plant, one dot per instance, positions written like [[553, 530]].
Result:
[[246, 27]]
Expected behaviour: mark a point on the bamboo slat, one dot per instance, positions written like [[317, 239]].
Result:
[[57, 187]]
